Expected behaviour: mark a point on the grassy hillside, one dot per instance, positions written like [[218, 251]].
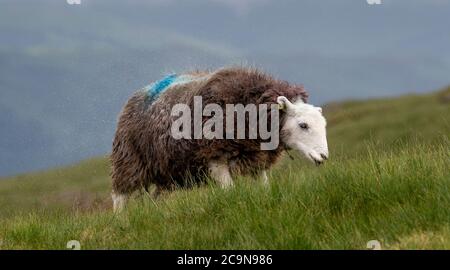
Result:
[[388, 179]]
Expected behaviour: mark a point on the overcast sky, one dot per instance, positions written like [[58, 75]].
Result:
[[66, 70]]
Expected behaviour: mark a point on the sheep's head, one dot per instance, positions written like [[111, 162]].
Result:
[[304, 129]]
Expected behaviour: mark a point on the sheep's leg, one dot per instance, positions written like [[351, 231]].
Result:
[[262, 176], [220, 172], [119, 201], [160, 192]]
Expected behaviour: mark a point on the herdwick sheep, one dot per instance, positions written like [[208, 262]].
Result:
[[145, 151]]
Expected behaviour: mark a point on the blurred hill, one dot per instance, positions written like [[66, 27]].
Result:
[[353, 126], [387, 179]]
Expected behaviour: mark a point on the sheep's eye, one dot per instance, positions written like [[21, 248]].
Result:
[[303, 126]]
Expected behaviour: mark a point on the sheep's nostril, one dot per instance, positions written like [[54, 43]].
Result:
[[325, 157]]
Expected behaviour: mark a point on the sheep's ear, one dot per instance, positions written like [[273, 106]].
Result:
[[283, 103]]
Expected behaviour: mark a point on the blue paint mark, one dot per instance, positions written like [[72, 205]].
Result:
[[158, 87]]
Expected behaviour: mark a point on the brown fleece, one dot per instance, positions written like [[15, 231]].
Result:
[[145, 153]]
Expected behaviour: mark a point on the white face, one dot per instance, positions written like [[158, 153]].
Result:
[[304, 129]]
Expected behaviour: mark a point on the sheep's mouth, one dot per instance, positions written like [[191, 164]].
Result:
[[316, 161]]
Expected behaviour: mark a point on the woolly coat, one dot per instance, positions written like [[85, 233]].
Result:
[[144, 151]]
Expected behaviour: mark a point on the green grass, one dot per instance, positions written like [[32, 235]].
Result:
[[388, 179]]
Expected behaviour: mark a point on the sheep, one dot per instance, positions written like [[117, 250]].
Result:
[[145, 150]]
